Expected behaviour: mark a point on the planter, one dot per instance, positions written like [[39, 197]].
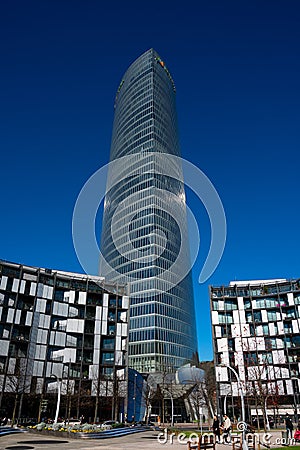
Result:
[[60, 434]]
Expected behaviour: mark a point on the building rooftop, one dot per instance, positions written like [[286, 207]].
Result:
[[257, 282]]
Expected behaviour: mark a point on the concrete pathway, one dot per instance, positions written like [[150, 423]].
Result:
[[144, 441]]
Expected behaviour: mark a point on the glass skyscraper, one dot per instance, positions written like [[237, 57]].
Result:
[[144, 235]]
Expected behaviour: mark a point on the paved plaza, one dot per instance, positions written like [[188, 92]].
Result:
[[144, 441], [27, 441]]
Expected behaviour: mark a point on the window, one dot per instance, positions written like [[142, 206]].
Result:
[[59, 295], [265, 330], [290, 313], [107, 371], [107, 358], [271, 343], [231, 345], [108, 344], [112, 302], [255, 292], [250, 359], [225, 318], [288, 328], [215, 305], [271, 302], [267, 358], [257, 316], [272, 316], [225, 332], [248, 316], [247, 304], [230, 304], [2, 363], [282, 302], [296, 341]]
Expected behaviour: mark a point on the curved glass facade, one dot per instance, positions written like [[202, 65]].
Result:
[[144, 224]]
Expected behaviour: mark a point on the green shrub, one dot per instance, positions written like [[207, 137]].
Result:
[[118, 425]]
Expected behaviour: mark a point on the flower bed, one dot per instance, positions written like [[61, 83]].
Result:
[[56, 429]]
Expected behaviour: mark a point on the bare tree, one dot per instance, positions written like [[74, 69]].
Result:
[[197, 401], [209, 386], [18, 384], [261, 379], [202, 396], [107, 390]]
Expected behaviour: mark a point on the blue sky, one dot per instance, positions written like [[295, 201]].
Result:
[[236, 68]]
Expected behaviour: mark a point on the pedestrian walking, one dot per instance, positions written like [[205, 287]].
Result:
[[297, 434], [81, 418], [289, 426], [216, 429], [227, 429]]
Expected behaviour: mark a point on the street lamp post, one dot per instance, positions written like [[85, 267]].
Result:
[[58, 396], [266, 412], [225, 403], [244, 442], [148, 406], [67, 411], [200, 417], [134, 398]]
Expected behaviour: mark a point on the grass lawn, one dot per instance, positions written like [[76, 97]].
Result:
[[294, 447]]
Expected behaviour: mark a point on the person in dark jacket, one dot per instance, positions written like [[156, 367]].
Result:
[[216, 429], [289, 426]]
